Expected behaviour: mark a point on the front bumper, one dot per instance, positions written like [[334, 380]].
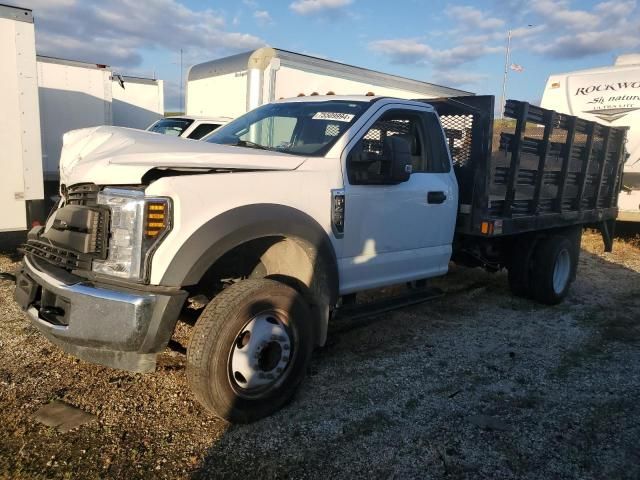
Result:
[[113, 326]]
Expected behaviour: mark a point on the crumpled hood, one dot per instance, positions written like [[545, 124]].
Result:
[[117, 156]]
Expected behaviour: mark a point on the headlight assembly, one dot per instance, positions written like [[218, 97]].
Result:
[[138, 224]]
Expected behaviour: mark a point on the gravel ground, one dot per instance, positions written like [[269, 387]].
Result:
[[476, 384]]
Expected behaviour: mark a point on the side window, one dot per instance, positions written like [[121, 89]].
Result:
[[312, 134], [439, 158], [366, 163], [202, 130]]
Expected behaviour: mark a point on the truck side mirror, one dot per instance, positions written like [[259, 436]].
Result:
[[397, 152]]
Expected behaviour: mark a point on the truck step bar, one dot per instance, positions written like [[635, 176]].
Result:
[[345, 316]]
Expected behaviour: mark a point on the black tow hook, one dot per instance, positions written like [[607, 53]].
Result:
[[8, 277]]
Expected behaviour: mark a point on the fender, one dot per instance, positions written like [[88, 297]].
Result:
[[242, 224]]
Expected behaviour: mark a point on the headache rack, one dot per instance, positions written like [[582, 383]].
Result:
[[544, 170]]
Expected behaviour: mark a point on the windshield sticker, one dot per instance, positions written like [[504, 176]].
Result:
[[337, 116]]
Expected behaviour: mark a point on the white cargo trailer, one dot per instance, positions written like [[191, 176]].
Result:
[[20, 154], [41, 99], [72, 95], [137, 101], [79, 94], [231, 86], [611, 96]]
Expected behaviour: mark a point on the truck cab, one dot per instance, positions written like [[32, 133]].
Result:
[[266, 227]]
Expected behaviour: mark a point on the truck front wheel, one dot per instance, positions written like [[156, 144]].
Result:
[[250, 349], [552, 269]]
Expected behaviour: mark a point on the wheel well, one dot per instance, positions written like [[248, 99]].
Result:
[[292, 261]]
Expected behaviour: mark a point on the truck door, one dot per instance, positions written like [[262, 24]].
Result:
[[403, 232]]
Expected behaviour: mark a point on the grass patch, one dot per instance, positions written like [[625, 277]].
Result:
[[609, 326]]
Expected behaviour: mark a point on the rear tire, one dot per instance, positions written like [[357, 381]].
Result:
[[519, 272], [250, 349], [552, 269]]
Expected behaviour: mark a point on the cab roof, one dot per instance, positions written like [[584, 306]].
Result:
[[353, 98]]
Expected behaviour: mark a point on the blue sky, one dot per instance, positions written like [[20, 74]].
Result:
[[452, 42]]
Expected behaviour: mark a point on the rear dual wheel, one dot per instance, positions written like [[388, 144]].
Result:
[[545, 269], [552, 268], [250, 349]]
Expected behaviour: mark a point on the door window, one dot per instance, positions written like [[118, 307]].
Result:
[[367, 164]]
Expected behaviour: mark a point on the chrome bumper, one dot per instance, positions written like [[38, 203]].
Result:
[[112, 326]]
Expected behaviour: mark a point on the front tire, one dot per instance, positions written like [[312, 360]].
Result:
[[250, 349]]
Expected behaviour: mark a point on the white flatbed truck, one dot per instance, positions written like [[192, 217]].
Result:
[[268, 226]]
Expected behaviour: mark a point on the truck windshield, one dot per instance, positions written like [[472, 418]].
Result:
[[299, 128], [170, 126]]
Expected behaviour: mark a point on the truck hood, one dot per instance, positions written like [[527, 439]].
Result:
[[118, 156]]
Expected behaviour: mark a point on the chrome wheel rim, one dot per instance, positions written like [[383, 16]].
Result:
[[261, 355], [561, 271]]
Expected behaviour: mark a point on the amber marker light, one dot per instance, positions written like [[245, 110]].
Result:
[[155, 219]]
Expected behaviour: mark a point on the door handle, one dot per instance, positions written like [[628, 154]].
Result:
[[436, 197]]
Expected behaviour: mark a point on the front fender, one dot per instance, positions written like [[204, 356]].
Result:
[[242, 224]]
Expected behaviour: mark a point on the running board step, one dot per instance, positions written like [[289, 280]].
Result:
[[355, 312]]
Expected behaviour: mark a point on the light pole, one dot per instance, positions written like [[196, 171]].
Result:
[[506, 72], [181, 72], [507, 59], [181, 81]]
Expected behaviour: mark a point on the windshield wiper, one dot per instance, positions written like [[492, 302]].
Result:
[[250, 144]]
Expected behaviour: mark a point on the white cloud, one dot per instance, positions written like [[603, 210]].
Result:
[[611, 26], [115, 32], [262, 17], [456, 78], [470, 17], [312, 7], [588, 43], [412, 51], [558, 13]]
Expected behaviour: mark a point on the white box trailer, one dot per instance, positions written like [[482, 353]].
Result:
[[231, 86], [79, 94], [72, 95], [611, 96], [43, 98], [137, 101], [20, 153]]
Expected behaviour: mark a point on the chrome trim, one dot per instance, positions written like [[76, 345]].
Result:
[[121, 314]]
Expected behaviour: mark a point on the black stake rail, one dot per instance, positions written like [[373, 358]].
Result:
[[571, 132], [587, 164], [568, 175]]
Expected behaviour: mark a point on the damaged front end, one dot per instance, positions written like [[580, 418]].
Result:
[[82, 281]]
